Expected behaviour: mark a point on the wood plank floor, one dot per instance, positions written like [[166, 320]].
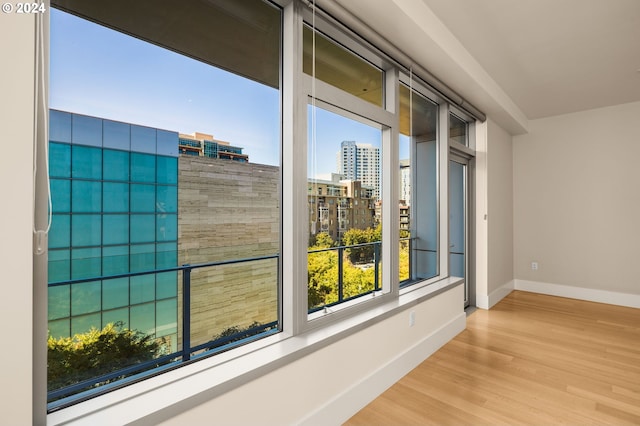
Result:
[[531, 360]]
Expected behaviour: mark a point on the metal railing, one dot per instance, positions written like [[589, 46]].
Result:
[[341, 251], [58, 398]]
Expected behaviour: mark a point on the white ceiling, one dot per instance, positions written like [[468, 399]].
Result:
[[518, 60], [552, 56]]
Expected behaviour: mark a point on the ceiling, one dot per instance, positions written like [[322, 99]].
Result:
[[552, 56], [518, 60]]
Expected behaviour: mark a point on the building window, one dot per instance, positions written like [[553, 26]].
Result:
[[133, 199], [458, 130]]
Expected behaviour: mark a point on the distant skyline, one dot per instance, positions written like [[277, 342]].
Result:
[[101, 72]]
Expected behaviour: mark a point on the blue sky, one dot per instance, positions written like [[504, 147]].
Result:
[[103, 73]]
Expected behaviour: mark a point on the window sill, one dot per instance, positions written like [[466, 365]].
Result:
[[178, 390]]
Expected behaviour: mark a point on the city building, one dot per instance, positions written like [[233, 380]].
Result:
[[339, 205], [204, 145], [361, 162], [129, 224]]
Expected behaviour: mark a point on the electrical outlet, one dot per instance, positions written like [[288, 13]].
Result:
[[412, 318], [534, 266]]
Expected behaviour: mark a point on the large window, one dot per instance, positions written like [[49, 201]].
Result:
[[165, 177], [344, 171], [418, 206], [177, 234]]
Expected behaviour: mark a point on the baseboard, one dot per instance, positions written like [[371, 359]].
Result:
[[343, 406], [580, 293], [487, 301]]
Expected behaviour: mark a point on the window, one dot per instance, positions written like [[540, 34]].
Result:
[[346, 139], [458, 130], [418, 152], [169, 192], [134, 198]]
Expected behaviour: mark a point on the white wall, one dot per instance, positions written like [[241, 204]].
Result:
[[329, 385], [16, 123], [500, 208], [494, 214], [577, 204]]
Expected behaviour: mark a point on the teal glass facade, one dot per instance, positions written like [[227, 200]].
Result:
[[114, 189]]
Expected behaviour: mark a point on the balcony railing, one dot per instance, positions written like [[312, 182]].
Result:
[[86, 389], [360, 256], [365, 259]]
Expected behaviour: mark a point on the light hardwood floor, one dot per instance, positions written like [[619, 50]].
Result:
[[533, 360]]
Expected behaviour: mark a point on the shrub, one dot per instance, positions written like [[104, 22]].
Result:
[[97, 352]]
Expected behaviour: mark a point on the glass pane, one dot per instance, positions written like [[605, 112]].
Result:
[[143, 198], [87, 230], [86, 298], [124, 166], [143, 318], [115, 293], [166, 285], [457, 214], [59, 160], [59, 265], [117, 135], [86, 263], [59, 302], [60, 232], [418, 152], [115, 260], [167, 170], [115, 197], [86, 130], [116, 165], [167, 227], [457, 130], [85, 323], [166, 317], [167, 199], [61, 195], [344, 185], [143, 228], [86, 196], [115, 229], [143, 139], [86, 162], [116, 315], [166, 255], [143, 167], [342, 68], [142, 258], [143, 288], [59, 127], [60, 328]]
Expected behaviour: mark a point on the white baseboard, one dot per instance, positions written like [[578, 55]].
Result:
[[589, 294], [487, 301], [347, 403]]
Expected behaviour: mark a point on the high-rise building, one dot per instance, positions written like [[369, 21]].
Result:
[[361, 162]]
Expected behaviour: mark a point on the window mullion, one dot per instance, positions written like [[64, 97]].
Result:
[[294, 303]]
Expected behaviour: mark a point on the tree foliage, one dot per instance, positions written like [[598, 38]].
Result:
[[354, 236], [358, 275], [97, 352]]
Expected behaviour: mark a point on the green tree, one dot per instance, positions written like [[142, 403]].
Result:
[[354, 236], [97, 352]]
